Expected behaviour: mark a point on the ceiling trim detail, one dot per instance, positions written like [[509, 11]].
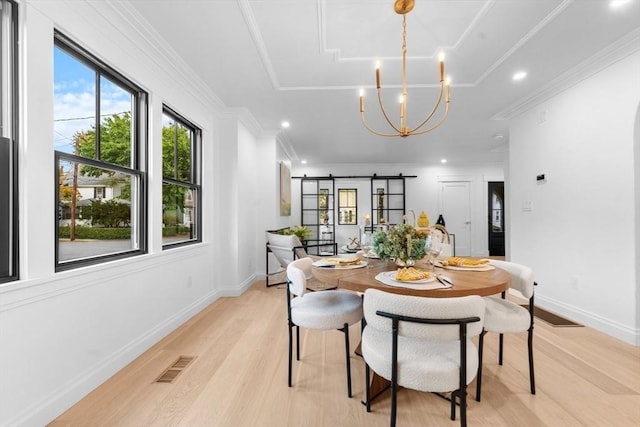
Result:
[[339, 58], [543, 23], [256, 35]]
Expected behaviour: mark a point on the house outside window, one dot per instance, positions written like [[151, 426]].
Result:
[[181, 211], [8, 141], [100, 122]]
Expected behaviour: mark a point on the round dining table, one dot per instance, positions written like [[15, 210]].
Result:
[[465, 281]]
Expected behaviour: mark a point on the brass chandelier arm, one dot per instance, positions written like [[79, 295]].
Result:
[[433, 111], [375, 132], [417, 128], [384, 112], [444, 116]]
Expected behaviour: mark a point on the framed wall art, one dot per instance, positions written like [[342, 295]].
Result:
[[285, 190]]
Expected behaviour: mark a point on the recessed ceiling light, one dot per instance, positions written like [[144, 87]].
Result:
[[304, 162], [498, 136], [519, 75], [285, 124], [617, 4], [443, 161]]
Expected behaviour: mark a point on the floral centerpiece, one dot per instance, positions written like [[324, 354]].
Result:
[[402, 242]]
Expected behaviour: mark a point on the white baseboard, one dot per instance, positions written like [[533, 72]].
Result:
[[614, 329], [242, 288], [55, 403]]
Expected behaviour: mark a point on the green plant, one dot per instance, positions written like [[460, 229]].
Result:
[[96, 233], [402, 241], [303, 232]]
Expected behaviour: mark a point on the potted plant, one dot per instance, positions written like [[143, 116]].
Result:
[[301, 231]]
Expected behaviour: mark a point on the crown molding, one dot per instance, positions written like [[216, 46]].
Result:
[[535, 30], [150, 45], [248, 120], [603, 59], [163, 57], [285, 142]]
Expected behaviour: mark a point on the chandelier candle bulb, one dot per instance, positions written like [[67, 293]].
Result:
[[378, 74], [441, 59], [362, 100]]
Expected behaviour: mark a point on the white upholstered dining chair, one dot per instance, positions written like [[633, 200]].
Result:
[[326, 310], [503, 316], [287, 248], [422, 343]]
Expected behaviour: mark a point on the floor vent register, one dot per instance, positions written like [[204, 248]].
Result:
[[172, 372]]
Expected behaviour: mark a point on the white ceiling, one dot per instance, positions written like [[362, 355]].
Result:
[[305, 60]]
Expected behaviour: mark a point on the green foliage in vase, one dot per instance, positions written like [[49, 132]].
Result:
[[303, 232], [393, 243]]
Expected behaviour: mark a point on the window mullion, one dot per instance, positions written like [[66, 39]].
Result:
[[97, 119], [175, 150]]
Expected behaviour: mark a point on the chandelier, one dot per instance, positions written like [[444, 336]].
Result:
[[403, 7]]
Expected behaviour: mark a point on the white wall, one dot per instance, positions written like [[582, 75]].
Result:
[[581, 235], [422, 193], [63, 334], [247, 205], [271, 153]]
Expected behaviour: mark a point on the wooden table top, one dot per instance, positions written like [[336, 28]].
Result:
[[465, 283]]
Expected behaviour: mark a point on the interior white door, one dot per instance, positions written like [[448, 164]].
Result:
[[455, 208]]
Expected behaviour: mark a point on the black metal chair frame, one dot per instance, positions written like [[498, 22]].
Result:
[[460, 394], [345, 330], [532, 379], [295, 256]]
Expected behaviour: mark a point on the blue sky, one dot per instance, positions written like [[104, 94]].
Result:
[[75, 98]]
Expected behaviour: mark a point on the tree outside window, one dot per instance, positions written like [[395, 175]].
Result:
[[180, 180], [99, 123]]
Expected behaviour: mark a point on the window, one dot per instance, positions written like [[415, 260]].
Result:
[[100, 140], [98, 193], [323, 204], [348, 206], [181, 143], [8, 141]]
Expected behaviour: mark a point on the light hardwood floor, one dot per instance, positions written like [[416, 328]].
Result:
[[583, 378]]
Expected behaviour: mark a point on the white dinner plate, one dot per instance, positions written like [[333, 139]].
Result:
[[371, 255], [392, 275], [331, 263]]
